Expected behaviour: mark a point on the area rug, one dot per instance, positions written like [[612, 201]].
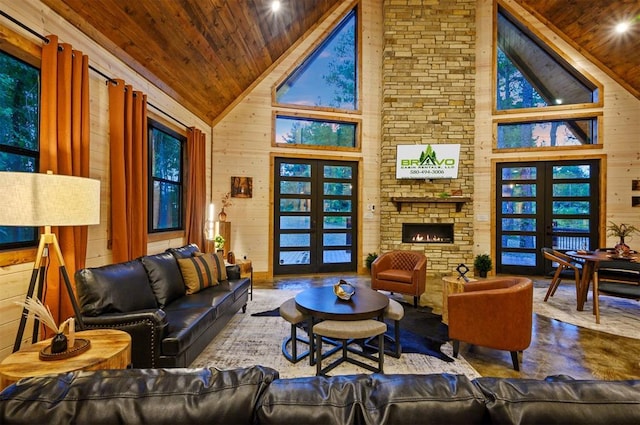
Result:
[[249, 340], [421, 331], [618, 316]]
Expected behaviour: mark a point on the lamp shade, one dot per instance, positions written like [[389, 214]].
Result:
[[35, 199]]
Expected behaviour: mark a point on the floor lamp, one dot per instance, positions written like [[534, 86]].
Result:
[[45, 200]]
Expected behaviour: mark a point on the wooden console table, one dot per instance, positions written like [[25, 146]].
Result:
[[246, 268], [110, 349]]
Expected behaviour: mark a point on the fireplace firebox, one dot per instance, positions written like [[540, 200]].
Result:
[[427, 232]]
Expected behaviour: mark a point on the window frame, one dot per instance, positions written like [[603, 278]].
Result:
[[310, 51], [155, 124], [541, 118], [27, 59], [320, 118], [552, 50]]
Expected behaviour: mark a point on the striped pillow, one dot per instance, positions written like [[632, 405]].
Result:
[[219, 259], [222, 269], [199, 272]]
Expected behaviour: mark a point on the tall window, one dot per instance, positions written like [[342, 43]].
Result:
[[19, 144], [328, 76], [532, 79], [166, 177]]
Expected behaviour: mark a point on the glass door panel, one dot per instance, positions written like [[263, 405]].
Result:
[[544, 204], [314, 216]]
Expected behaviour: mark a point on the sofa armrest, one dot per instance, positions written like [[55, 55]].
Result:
[[233, 271], [146, 327]]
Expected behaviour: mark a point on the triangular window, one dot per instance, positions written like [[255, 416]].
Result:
[[531, 75], [328, 76]]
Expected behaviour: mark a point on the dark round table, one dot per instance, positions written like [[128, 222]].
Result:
[[322, 303]]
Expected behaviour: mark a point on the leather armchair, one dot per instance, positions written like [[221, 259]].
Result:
[[398, 271], [495, 313]]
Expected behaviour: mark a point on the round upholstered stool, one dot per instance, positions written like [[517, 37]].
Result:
[[395, 312], [346, 331], [290, 313]]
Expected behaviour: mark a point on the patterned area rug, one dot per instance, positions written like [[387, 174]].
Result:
[[249, 340], [618, 316]]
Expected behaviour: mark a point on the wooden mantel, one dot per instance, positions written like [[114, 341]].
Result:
[[458, 200]]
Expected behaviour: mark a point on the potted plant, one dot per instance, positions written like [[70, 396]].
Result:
[[371, 257], [482, 264], [621, 231], [219, 242]]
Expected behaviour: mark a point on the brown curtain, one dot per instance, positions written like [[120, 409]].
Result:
[[128, 165], [196, 187], [64, 149]]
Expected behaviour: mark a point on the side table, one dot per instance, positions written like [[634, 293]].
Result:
[[110, 349], [246, 268], [451, 285]]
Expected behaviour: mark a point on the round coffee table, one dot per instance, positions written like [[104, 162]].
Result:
[[110, 349], [322, 303]]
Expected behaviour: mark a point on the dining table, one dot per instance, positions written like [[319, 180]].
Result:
[[591, 261]]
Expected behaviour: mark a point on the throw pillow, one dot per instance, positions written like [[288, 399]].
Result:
[[198, 272], [222, 269]]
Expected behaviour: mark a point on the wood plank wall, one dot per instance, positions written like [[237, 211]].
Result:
[[14, 279], [242, 146], [619, 133]]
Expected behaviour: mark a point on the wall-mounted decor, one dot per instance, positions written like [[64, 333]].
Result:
[[635, 184], [635, 201], [241, 187], [437, 161]]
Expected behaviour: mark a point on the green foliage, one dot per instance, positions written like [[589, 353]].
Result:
[[371, 257], [621, 230], [219, 242], [482, 262]]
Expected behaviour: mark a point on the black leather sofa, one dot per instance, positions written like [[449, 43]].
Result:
[[147, 298], [255, 395]]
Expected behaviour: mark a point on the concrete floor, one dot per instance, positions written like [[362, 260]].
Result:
[[557, 348]]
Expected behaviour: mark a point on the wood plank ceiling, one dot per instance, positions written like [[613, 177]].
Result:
[[206, 53]]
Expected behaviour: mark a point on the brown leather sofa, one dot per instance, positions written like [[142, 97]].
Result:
[[404, 272], [256, 396], [495, 313], [147, 298]]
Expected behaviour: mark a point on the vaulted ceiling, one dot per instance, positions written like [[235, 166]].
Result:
[[206, 53]]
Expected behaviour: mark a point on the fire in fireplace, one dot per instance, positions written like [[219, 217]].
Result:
[[427, 232]]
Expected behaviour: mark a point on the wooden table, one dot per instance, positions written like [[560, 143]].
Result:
[[246, 268], [451, 285], [110, 349], [320, 303], [591, 264]]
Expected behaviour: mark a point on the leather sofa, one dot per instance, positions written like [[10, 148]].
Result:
[[255, 395], [147, 298]]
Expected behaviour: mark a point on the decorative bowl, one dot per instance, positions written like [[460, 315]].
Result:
[[344, 290]]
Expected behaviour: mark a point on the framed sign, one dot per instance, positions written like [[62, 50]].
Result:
[[427, 161]]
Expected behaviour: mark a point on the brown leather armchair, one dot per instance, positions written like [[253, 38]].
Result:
[[494, 313], [398, 271]]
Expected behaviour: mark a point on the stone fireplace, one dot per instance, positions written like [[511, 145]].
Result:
[[433, 103], [427, 232]]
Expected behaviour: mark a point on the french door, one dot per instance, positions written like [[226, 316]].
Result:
[[315, 216], [544, 204]]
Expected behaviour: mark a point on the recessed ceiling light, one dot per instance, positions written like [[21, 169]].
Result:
[[622, 27], [275, 5]]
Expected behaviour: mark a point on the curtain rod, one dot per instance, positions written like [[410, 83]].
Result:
[[94, 69]]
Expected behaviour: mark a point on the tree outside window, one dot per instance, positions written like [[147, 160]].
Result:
[[19, 143], [166, 190]]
